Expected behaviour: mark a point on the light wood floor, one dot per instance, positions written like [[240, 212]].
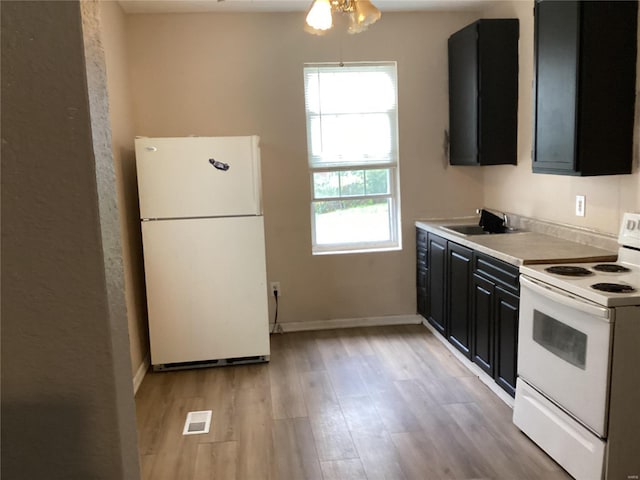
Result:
[[365, 403]]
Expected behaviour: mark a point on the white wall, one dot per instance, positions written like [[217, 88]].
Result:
[[67, 398]]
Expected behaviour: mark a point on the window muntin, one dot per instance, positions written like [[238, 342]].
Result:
[[353, 156]]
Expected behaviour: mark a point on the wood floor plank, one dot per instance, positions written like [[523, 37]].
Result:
[[343, 469], [305, 348], [378, 455], [332, 437], [345, 378], [295, 450], [394, 411], [374, 373], [216, 461], [362, 416], [287, 396], [356, 342], [255, 442], [426, 410], [317, 390]]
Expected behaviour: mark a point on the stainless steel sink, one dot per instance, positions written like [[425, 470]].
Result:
[[475, 230]]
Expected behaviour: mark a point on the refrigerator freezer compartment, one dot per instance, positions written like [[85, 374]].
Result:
[[195, 177]]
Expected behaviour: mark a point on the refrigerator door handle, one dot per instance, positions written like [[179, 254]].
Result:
[[219, 165]]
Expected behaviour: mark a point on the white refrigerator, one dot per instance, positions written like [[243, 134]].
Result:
[[204, 250]]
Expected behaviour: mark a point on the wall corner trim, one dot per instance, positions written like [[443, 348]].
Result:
[[140, 373]]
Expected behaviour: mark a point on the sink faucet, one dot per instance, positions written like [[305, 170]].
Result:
[[505, 218]]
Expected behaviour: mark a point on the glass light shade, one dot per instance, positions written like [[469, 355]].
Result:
[[365, 13], [319, 16], [354, 26]]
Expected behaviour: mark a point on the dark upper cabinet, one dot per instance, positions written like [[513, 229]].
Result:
[[483, 93], [585, 76]]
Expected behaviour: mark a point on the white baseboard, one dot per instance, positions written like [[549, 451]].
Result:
[[140, 373], [350, 323], [472, 367]]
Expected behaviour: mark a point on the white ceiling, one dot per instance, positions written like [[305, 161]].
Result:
[[194, 6]]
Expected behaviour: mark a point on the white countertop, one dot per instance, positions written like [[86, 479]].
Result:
[[519, 248]]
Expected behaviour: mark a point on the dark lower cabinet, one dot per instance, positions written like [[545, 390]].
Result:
[[459, 268], [421, 271], [472, 299], [482, 297], [436, 279], [506, 340]]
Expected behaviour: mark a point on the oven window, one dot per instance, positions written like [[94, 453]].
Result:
[[560, 339]]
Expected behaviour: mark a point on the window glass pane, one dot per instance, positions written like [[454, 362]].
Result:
[[353, 138], [350, 89], [351, 183], [560, 339], [326, 184], [377, 181], [352, 221]]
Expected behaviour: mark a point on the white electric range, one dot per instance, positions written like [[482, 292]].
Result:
[[578, 387]]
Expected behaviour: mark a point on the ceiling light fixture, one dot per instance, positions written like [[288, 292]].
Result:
[[362, 13]]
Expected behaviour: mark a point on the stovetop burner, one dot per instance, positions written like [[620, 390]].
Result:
[[613, 287], [569, 271], [611, 268]]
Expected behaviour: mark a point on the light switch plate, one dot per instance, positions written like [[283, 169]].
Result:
[[580, 205]]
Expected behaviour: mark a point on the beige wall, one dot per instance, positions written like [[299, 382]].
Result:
[[112, 28], [552, 197], [236, 74], [67, 399]]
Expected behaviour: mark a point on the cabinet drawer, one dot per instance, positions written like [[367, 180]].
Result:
[[421, 278], [421, 248], [501, 273], [421, 238], [421, 258]]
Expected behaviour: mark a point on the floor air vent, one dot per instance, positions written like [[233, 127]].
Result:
[[197, 423]]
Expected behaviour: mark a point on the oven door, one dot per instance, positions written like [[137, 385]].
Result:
[[564, 346]]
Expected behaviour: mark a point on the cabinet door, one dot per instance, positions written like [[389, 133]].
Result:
[[482, 297], [556, 56], [421, 291], [421, 272], [585, 80], [436, 259], [506, 339], [463, 96], [459, 263]]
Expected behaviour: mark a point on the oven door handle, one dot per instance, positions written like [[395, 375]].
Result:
[[565, 298]]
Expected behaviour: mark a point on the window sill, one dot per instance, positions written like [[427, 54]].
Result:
[[394, 248]]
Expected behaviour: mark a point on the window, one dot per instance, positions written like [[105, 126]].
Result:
[[352, 139]]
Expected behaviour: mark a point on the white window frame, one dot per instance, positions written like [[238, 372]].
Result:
[[391, 165]]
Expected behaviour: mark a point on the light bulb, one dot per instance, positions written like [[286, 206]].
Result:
[[319, 16]]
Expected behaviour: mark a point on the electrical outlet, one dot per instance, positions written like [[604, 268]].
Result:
[[275, 287], [580, 205]]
